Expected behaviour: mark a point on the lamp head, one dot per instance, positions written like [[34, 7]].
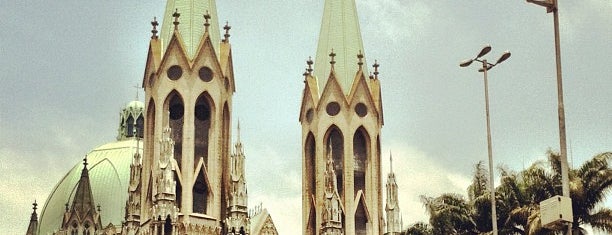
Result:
[[484, 51], [503, 57], [466, 63]]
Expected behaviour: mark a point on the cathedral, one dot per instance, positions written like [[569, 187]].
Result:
[[174, 170]]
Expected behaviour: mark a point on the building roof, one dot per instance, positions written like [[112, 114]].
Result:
[[191, 23], [261, 223], [109, 174], [340, 32]]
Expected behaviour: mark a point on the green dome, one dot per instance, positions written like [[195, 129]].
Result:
[[109, 175]]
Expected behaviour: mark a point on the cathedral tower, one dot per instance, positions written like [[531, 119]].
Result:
[[188, 86], [341, 116], [394, 220]]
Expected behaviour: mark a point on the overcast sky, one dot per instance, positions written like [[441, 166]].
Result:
[[68, 67]]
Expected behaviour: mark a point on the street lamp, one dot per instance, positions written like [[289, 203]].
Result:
[[486, 66], [552, 6]]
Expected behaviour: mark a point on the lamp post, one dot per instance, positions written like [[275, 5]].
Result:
[[552, 6], [486, 66]]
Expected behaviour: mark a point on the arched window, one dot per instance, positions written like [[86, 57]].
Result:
[[311, 164], [361, 220], [360, 158], [130, 126], [168, 226], [335, 145], [200, 194], [202, 122], [140, 126], [86, 229], [175, 107]]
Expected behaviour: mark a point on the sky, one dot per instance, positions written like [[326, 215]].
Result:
[[68, 67]]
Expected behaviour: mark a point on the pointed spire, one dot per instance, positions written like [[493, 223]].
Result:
[[83, 197], [339, 30], [226, 35], [238, 131], [154, 30], [33, 226], [191, 23], [390, 162]]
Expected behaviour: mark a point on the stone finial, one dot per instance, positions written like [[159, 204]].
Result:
[[309, 62], [226, 35], [85, 161], [332, 55], [176, 16], [376, 65], [35, 206], [206, 23], [154, 31], [360, 58], [98, 206]]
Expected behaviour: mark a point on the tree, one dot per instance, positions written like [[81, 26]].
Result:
[[518, 197], [418, 228]]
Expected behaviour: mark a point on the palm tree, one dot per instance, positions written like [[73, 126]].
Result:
[[521, 193]]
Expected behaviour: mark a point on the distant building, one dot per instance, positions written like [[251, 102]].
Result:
[[172, 169]]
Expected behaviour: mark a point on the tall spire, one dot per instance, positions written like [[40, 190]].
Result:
[[83, 201], [394, 219], [192, 23], [33, 227], [332, 207], [340, 31]]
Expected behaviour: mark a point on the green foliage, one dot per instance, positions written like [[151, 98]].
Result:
[[518, 197]]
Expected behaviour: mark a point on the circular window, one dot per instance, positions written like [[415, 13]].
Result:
[[361, 110], [175, 72], [333, 108], [205, 74], [202, 112], [309, 115], [176, 111]]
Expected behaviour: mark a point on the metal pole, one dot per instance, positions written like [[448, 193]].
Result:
[[561, 110], [490, 150]]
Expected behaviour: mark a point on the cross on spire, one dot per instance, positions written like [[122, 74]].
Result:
[[206, 23], [154, 30], [333, 57], [376, 65], [137, 89], [360, 58], [176, 16], [309, 62], [226, 28], [85, 162]]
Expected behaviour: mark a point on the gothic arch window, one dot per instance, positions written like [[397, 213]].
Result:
[[311, 163], [361, 220], [168, 226], [150, 127], [139, 126], [225, 152], [334, 143], [361, 152], [176, 109], [130, 126], [86, 230], [178, 190], [74, 230], [200, 194], [202, 123]]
